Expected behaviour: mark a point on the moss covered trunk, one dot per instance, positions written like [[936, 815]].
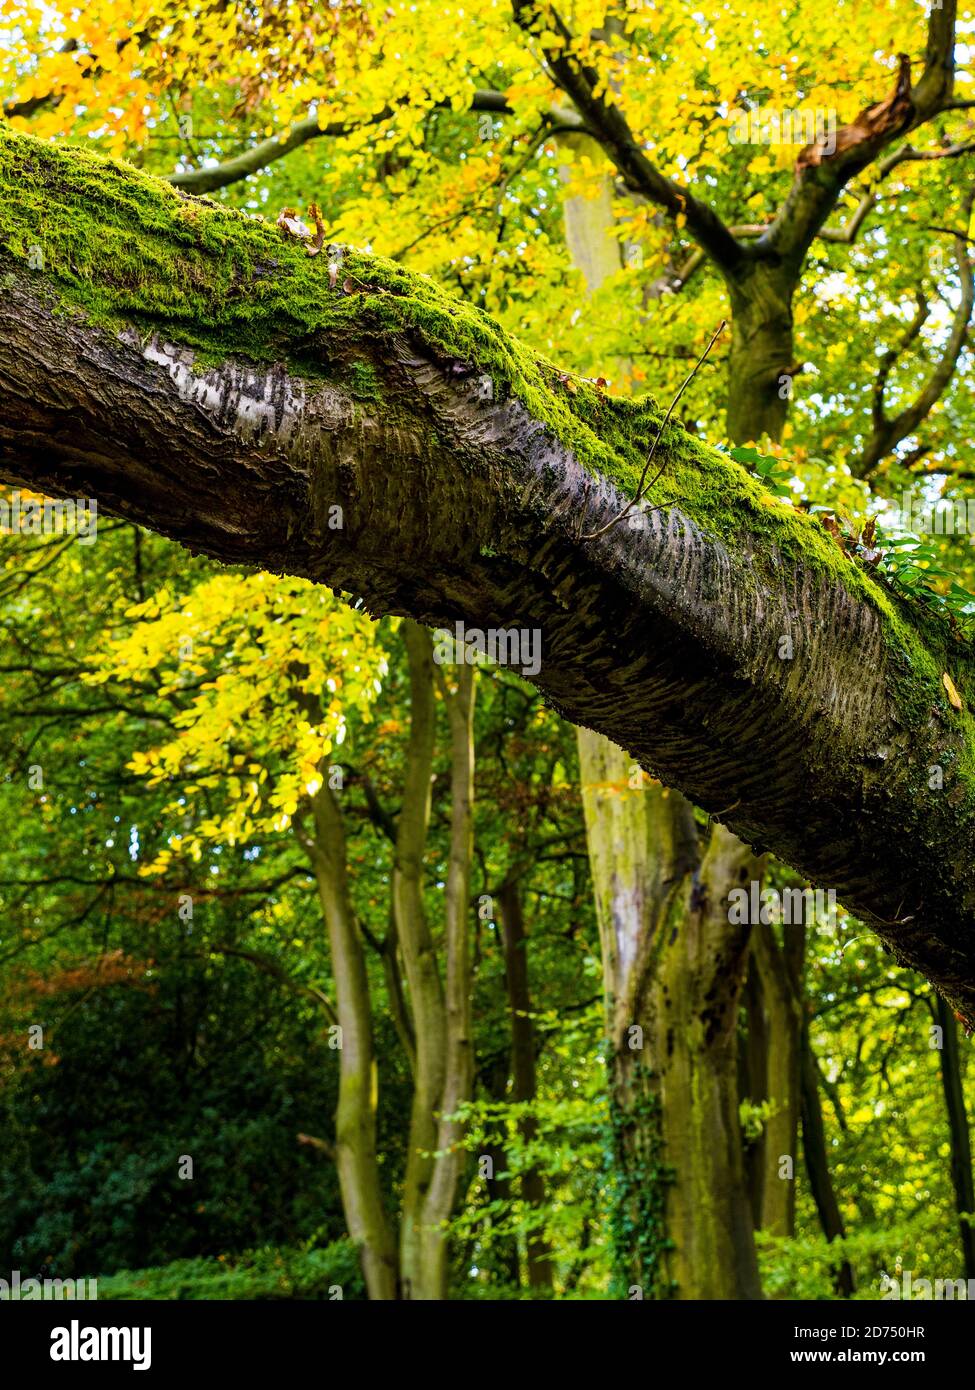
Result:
[[673, 966], [760, 385], [673, 1097], [193, 370], [760, 366]]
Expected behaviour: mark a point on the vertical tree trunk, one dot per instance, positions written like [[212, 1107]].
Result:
[[781, 1036], [355, 1118], [538, 1262], [431, 1278], [961, 1148], [761, 360], [674, 1099], [419, 959], [673, 969], [760, 372], [817, 1159]]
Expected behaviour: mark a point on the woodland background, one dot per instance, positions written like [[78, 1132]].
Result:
[[209, 775]]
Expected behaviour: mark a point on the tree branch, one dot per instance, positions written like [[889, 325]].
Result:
[[608, 126], [277, 971], [821, 175], [198, 373], [887, 433], [252, 161]]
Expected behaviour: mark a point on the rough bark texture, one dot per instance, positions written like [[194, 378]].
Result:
[[761, 366], [673, 965], [468, 471]]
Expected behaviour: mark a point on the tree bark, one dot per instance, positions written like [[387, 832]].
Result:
[[451, 1156], [355, 1116], [761, 367], [949, 1060], [780, 998], [220, 388], [673, 966], [538, 1261], [817, 1159], [441, 1013], [419, 958]]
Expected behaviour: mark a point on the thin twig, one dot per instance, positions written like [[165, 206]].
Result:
[[641, 490]]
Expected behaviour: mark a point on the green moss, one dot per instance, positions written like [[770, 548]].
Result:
[[363, 381]]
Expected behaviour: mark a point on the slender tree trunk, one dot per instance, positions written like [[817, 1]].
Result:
[[817, 1159], [589, 222], [439, 1042], [451, 1156], [961, 1147], [355, 1117], [780, 1002], [444, 1070], [539, 1260], [419, 959]]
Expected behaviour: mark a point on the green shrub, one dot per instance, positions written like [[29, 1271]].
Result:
[[267, 1273]]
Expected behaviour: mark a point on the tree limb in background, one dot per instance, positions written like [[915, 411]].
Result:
[[887, 431]]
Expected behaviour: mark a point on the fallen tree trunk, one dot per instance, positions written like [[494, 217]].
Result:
[[196, 371]]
